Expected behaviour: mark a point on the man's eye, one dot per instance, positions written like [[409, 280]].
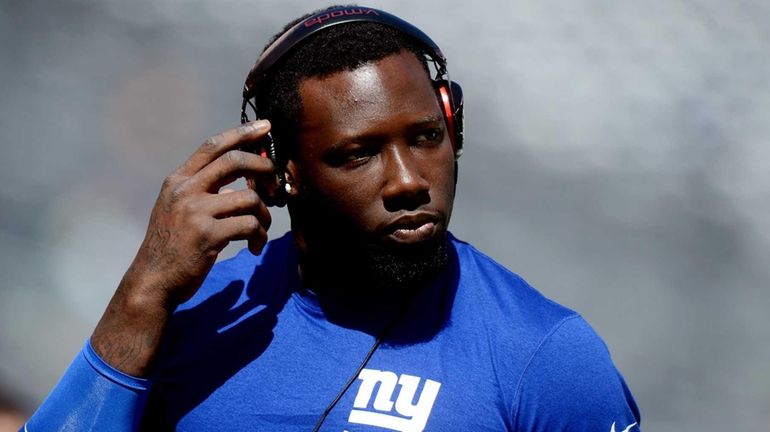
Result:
[[358, 157], [430, 136]]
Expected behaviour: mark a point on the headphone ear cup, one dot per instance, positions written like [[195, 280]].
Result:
[[457, 105], [450, 98]]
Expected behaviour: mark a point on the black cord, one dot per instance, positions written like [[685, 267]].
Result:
[[350, 382], [363, 364]]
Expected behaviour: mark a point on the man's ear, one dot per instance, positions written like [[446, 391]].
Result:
[[292, 179]]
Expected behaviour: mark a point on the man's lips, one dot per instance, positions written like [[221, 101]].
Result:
[[412, 228]]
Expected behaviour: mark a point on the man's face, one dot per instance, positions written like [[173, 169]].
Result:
[[375, 163]]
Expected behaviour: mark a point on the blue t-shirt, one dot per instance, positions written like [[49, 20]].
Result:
[[478, 350]]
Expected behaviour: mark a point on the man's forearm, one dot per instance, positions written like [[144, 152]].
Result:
[[189, 226], [129, 333]]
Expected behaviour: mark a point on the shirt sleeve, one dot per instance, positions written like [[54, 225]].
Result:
[[571, 384], [92, 396]]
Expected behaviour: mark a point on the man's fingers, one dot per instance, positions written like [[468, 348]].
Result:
[[220, 144], [231, 165], [245, 227], [242, 202]]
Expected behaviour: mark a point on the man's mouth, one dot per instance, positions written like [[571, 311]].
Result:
[[413, 228], [420, 233]]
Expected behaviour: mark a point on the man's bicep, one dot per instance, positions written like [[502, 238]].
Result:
[[572, 384]]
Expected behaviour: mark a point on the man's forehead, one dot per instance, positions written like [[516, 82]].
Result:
[[365, 84], [383, 99], [387, 80]]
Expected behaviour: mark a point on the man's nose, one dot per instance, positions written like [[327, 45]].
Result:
[[405, 187]]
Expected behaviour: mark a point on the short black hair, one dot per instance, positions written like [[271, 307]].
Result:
[[339, 48]]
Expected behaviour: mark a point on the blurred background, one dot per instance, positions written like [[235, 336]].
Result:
[[617, 158]]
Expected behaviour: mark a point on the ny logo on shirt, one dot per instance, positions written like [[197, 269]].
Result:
[[380, 410]]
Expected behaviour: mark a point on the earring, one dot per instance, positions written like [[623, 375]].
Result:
[[287, 188]]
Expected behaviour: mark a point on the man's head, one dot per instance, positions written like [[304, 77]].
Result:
[[317, 44], [368, 153]]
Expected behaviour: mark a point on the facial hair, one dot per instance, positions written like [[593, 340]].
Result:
[[337, 255], [404, 267]]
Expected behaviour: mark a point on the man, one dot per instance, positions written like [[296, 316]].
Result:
[[369, 315]]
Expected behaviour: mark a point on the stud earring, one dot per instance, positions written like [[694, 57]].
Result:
[[287, 188]]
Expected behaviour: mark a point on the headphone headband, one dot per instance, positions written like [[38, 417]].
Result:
[[449, 93], [329, 18]]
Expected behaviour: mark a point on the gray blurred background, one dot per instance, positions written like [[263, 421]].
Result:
[[617, 157]]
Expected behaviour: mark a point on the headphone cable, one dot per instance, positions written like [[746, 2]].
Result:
[[363, 364]]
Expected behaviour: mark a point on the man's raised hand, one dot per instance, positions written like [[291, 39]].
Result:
[[189, 226]]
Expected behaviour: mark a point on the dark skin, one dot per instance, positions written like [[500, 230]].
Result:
[[189, 226], [373, 152]]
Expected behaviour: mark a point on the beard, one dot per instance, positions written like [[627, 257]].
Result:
[[348, 261], [405, 267], [339, 256]]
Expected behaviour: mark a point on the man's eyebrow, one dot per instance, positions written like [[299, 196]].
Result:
[[343, 142], [430, 119]]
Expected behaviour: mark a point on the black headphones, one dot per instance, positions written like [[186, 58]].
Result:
[[449, 93]]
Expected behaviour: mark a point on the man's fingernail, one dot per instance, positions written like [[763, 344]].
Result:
[[260, 124], [254, 126]]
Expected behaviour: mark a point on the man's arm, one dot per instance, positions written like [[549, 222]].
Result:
[[189, 226], [571, 384]]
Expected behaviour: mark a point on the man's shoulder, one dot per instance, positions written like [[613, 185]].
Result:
[[501, 293], [560, 366]]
